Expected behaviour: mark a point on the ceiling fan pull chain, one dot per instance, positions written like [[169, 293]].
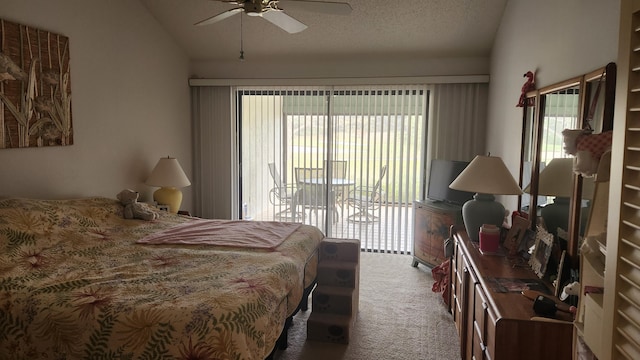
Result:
[[241, 45]]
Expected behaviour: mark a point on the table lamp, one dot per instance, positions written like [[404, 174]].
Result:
[[169, 176], [556, 179], [486, 176]]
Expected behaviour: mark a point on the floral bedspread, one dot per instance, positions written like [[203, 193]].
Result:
[[75, 285]]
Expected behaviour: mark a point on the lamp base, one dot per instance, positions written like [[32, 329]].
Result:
[[481, 210], [169, 196], [556, 215]]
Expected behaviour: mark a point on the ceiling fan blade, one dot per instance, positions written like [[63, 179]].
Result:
[[284, 21], [326, 7], [219, 17]]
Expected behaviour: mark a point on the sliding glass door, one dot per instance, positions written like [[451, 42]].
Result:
[[347, 160]]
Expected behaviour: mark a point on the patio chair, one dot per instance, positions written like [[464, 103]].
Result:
[[306, 176], [281, 194], [338, 171], [366, 199], [338, 168]]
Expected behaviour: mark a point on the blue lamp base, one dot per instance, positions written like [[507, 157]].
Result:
[[556, 215], [483, 209]]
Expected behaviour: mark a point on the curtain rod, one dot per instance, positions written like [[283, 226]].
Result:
[[406, 80]]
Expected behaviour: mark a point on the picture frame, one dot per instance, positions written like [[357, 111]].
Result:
[[560, 280], [562, 275], [515, 234], [43, 61], [527, 244], [541, 252]]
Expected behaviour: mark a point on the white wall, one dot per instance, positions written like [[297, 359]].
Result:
[[130, 102], [556, 39]]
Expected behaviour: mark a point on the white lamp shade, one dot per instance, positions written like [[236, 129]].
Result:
[[168, 173], [486, 175], [556, 179]]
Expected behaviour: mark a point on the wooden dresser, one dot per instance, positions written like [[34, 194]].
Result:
[[498, 325]]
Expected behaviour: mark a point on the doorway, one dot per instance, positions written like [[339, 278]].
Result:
[[349, 160]]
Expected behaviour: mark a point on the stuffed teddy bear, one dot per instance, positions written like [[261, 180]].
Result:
[[132, 208], [587, 148]]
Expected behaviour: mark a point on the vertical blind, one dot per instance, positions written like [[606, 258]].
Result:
[[364, 130], [560, 112], [212, 157]]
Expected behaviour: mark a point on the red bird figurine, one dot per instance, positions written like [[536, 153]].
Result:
[[528, 86]]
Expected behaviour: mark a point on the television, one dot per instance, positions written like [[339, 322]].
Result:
[[442, 173]]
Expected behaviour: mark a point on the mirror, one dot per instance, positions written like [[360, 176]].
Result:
[[559, 110], [598, 107], [570, 104], [526, 155], [557, 107]]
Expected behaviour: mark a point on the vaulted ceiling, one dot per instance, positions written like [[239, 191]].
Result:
[[420, 28]]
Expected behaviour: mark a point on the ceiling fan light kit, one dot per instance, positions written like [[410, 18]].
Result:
[[271, 11], [253, 8]]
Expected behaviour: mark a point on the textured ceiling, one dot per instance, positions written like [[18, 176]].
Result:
[[425, 28]]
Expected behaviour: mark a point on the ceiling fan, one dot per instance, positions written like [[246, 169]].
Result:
[[271, 11]]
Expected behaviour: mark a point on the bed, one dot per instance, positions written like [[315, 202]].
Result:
[[77, 280]]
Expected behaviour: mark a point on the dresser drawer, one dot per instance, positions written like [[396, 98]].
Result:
[[478, 345], [460, 264], [457, 315], [481, 306], [490, 334]]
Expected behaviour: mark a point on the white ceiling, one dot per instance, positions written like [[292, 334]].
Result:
[[419, 28]]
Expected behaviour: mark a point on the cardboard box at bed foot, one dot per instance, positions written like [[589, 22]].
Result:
[[335, 300], [337, 273], [340, 250], [330, 327]]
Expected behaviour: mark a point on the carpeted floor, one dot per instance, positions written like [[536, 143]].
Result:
[[399, 318]]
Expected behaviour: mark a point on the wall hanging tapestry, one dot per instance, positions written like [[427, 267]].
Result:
[[35, 87]]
